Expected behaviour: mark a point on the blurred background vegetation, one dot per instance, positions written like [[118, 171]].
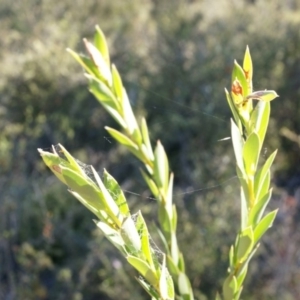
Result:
[[175, 58]]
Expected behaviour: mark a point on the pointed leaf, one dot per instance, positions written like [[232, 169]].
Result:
[[115, 191], [161, 167], [146, 139], [174, 218], [259, 209], [85, 62], [130, 119], [244, 210], [169, 199], [251, 152], [229, 288], [101, 214], [151, 184], [144, 269], [117, 84], [264, 186], [71, 160], [99, 62], [181, 263], [103, 93], [245, 244], [241, 277], [53, 161], [163, 285], [263, 225], [239, 74], [148, 288], [113, 236], [131, 236], [124, 140], [244, 185], [174, 248], [143, 231], [260, 119], [248, 69], [265, 95], [111, 206], [261, 174], [85, 188], [231, 257], [184, 287], [233, 108], [101, 44], [238, 144]]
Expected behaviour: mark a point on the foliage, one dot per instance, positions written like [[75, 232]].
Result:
[[106, 200], [174, 59]]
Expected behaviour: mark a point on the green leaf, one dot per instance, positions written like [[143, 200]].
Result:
[[265, 95], [241, 277], [71, 160], [169, 200], [164, 220], [124, 140], [245, 244], [260, 119], [181, 263], [151, 184], [103, 93], [262, 173], [99, 62], [148, 288], [174, 248], [116, 193], [113, 236], [130, 120], [229, 288], [163, 285], [144, 234], [131, 236], [263, 225], [101, 214], [173, 268], [244, 208], [246, 262], [85, 62], [244, 184], [146, 139], [117, 84], [53, 161], [115, 114], [174, 218], [233, 109], [184, 287], [84, 187], [101, 45], [231, 257], [258, 209], [110, 204], [248, 69], [238, 293], [239, 74], [238, 144], [144, 269], [161, 167], [251, 152], [163, 239], [264, 187]]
